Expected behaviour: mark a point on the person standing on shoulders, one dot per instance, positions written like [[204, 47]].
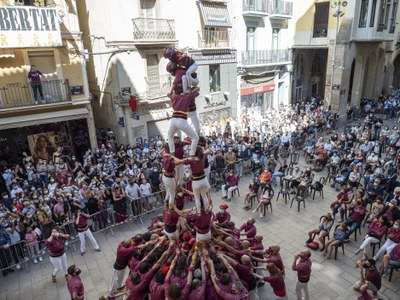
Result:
[[303, 268]]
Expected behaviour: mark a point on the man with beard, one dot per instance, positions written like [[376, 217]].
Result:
[[74, 283]]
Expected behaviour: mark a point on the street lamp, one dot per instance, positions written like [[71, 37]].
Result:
[[338, 14]]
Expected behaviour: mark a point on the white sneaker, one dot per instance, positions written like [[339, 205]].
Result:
[[18, 267], [35, 261], [254, 211], [40, 259]]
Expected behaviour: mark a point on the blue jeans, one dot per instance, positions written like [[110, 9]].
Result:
[[276, 174], [351, 227], [338, 208]]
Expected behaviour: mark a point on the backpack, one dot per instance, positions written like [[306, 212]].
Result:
[[313, 245]]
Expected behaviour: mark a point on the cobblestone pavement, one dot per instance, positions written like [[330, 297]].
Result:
[[285, 226]]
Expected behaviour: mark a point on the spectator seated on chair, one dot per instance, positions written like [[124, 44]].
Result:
[[392, 239], [391, 212], [253, 189], [374, 189], [392, 258], [371, 274], [376, 208], [230, 159], [338, 237], [222, 217], [354, 177], [296, 179], [280, 173], [357, 214], [320, 157], [322, 231], [333, 162], [266, 195], [231, 184], [340, 204], [376, 231]]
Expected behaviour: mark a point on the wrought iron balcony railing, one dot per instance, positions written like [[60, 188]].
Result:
[[263, 57], [320, 30], [214, 39], [279, 7], [256, 6], [19, 94], [153, 29]]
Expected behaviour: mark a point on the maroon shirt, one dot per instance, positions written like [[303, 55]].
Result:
[[278, 285], [303, 268], [374, 276], [202, 222], [168, 163], [182, 60], [198, 294], [358, 215], [139, 291], [244, 272], [250, 230], [34, 76], [222, 218], [395, 253], [196, 165], [277, 260], [75, 285], [170, 217], [396, 234], [124, 254], [56, 246], [179, 151], [156, 290], [232, 180], [181, 102], [82, 223]]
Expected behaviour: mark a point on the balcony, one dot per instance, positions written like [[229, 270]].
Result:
[[19, 95], [153, 31], [278, 9], [258, 58], [214, 39], [255, 8], [320, 30], [156, 87]]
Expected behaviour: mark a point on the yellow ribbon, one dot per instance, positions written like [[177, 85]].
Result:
[[50, 39], [36, 40], [3, 40], [20, 41]]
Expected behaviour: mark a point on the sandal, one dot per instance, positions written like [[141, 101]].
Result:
[[53, 278]]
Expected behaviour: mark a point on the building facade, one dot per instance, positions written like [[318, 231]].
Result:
[[345, 52], [263, 37], [37, 117], [126, 61]]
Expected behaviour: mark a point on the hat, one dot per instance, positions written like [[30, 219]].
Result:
[[187, 236], [393, 201], [224, 206]]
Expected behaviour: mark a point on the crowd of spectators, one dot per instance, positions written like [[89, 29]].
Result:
[[50, 194]]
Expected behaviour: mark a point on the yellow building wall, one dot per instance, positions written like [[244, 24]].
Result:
[[72, 68], [305, 22], [12, 69]]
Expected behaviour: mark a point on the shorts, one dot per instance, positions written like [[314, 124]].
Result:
[[394, 263], [173, 235], [371, 286]]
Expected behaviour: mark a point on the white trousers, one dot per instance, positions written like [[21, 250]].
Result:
[[200, 188], [189, 71], [89, 234], [302, 286], [207, 171], [185, 87], [179, 173], [59, 263], [116, 281], [228, 192], [195, 121], [253, 294], [176, 124], [387, 245], [368, 240], [170, 188]]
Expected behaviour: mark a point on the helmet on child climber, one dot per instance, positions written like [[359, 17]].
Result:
[[169, 52]]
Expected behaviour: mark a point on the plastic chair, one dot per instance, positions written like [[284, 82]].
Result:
[[319, 189], [284, 191], [300, 197]]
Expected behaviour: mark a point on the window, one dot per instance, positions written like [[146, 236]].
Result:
[[215, 79], [321, 17], [250, 38], [363, 13], [381, 15], [387, 12], [373, 11], [393, 18]]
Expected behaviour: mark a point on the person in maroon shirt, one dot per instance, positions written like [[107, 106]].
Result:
[[81, 223], [75, 284], [222, 217], [179, 153], [56, 244], [137, 284], [171, 218], [369, 272], [249, 229], [392, 258], [276, 281], [200, 183], [357, 216], [231, 184], [393, 238], [178, 122], [168, 177], [36, 84], [198, 287], [124, 254], [302, 265]]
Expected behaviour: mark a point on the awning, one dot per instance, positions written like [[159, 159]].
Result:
[[215, 15], [43, 118], [6, 53]]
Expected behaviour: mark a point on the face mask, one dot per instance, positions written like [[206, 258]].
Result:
[[14, 209], [396, 226], [391, 205], [221, 211], [15, 187], [52, 181]]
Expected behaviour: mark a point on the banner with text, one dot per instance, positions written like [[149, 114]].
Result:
[[26, 26]]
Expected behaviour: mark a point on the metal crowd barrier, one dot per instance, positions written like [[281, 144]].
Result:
[[139, 207], [17, 253]]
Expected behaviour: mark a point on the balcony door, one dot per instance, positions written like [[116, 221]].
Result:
[[147, 11], [250, 41], [45, 63], [153, 74]]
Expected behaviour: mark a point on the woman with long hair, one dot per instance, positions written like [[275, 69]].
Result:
[[276, 281], [44, 149], [119, 198]]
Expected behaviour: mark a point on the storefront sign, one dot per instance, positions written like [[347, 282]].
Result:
[[213, 57], [257, 89], [76, 90], [28, 26]]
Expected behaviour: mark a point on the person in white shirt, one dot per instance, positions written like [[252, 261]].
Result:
[[133, 193], [16, 190], [372, 159], [145, 189]]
